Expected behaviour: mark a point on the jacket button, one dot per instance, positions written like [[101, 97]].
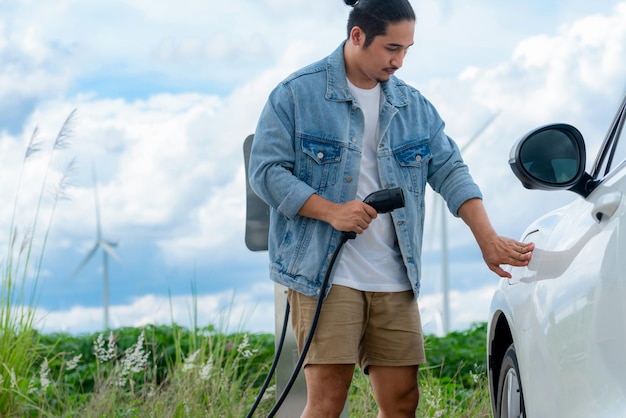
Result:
[[320, 155], [418, 158], [349, 179], [354, 139]]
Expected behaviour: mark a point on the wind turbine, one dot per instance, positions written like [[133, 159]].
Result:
[[440, 206], [107, 248]]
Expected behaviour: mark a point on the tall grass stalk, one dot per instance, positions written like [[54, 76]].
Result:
[[17, 312], [60, 143]]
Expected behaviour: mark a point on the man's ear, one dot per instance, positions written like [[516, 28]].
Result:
[[357, 36]]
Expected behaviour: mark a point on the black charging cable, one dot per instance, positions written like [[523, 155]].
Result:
[[345, 236]]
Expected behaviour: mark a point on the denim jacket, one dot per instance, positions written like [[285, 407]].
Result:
[[308, 140]]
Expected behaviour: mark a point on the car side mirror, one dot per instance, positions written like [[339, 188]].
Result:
[[551, 157]]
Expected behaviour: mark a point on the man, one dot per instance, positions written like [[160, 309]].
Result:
[[329, 135]]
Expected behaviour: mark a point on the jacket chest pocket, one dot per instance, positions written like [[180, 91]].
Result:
[[413, 159], [320, 162]]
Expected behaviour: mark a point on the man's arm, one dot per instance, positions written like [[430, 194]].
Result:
[[496, 250], [353, 216]]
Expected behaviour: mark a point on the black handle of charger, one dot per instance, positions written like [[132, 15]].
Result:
[[386, 200], [383, 201]]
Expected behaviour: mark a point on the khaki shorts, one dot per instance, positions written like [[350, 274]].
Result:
[[356, 327]]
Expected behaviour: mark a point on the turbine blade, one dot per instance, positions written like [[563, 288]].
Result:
[[82, 264], [480, 131], [107, 247]]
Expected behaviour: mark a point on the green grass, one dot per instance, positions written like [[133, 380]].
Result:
[[171, 371], [175, 372]]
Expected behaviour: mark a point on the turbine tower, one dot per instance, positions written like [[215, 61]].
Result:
[[107, 248]]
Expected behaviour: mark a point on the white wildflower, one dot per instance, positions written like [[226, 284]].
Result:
[[31, 387], [189, 361], [120, 382], [44, 375], [243, 348], [13, 379], [104, 354], [133, 361], [136, 358], [205, 370], [475, 376], [73, 363], [476, 373]]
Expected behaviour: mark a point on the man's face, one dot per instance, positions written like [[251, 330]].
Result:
[[385, 55]]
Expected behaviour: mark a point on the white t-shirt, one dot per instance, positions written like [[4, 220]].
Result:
[[372, 261]]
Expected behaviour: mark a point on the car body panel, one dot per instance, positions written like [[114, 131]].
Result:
[[565, 312]]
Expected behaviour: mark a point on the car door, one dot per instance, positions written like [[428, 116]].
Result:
[[579, 284]]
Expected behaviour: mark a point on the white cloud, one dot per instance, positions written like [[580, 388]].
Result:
[[227, 311], [252, 312]]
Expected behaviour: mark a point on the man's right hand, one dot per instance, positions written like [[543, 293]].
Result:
[[354, 216]]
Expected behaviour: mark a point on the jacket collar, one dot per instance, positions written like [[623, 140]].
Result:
[[337, 87]]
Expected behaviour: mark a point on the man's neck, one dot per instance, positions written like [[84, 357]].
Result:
[[353, 73]]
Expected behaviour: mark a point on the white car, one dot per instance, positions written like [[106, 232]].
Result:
[[556, 339]]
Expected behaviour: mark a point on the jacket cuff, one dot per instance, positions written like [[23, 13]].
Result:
[[293, 201]]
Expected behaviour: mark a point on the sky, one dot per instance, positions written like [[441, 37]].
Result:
[[160, 97]]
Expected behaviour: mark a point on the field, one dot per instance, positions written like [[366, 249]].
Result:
[[171, 371]]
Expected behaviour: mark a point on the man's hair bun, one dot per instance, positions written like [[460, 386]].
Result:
[[351, 3]]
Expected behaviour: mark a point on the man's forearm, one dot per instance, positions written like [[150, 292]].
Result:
[[317, 207], [475, 216]]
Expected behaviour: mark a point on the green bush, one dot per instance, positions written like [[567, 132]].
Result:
[[460, 355]]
